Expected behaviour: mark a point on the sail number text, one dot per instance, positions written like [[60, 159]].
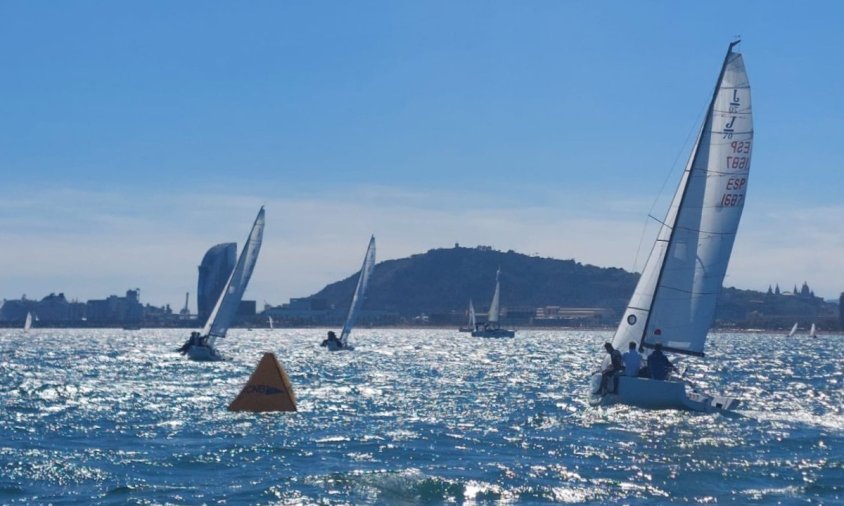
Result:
[[737, 162], [734, 184]]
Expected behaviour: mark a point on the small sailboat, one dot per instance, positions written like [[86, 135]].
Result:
[[813, 332], [472, 322], [27, 324], [793, 330], [673, 305], [200, 345], [333, 343], [270, 322], [492, 328]]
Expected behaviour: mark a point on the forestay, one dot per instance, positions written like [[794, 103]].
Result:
[[360, 291], [674, 301], [224, 311]]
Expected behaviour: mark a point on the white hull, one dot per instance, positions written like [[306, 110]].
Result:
[[203, 354], [656, 394]]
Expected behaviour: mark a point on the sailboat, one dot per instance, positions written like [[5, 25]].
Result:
[[793, 330], [200, 346], [342, 343], [492, 328], [813, 332], [472, 324], [270, 322], [673, 305], [27, 324]]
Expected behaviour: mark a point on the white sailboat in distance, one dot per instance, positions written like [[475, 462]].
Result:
[[27, 324], [813, 332], [673, 305], [793, 330], [472, 324], [333, 343], [492, 328], [200, 345]]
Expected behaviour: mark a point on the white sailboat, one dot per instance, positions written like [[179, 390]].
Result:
[[200, 346], [27, 324], [333, 343], [813, 332], [673, 305], [472, 323], [270, 322], [492, 327], [793, 330]]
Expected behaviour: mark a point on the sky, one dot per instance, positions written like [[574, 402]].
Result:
[[135, 135]]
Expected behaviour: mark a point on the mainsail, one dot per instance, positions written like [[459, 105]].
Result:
[[360, 291], [813, 331], [226, 308], [674, 301], [472, 324], [793, 330], [494, 306], [28, 323]]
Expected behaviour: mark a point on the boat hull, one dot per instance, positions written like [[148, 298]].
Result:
[[203, 353], [333, 346], [494, 333], [658, 394]]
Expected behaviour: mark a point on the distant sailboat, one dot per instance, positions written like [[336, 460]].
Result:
[[333, 343], [28, 323], [793, 330], [813, 332], [200, 346], [492, 328], [673, 305], [270, 322], [472, 323]]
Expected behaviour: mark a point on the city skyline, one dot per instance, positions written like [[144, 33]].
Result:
[[134, 138]]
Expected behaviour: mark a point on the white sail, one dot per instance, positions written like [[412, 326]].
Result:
[[226, 308], [674, 301], [813, 331], [472, 319], [28, 323], [360, 291], [494, 306], [270, 321], [793, 330]]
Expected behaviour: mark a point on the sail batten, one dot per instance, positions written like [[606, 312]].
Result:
[[674, 301]]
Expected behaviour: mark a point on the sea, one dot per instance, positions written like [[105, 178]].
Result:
[[409, 417]]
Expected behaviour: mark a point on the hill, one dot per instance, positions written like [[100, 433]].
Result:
[[443, 281]]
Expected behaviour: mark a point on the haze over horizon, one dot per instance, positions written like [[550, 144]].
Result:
[[134, 137]]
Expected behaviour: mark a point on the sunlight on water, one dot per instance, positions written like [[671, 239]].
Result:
[[410, 416]]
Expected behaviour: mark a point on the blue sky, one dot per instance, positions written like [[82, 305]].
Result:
[[135, 135]]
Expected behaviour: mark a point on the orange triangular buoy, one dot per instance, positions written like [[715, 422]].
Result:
[[268, 389]]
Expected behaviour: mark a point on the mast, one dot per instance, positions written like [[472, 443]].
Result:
[[685, 186]]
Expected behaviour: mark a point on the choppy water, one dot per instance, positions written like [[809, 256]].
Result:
[[411, 416]]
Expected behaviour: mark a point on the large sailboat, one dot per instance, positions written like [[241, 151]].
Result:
[[342, 343], [200, 345], [673, 305], [492, 328]]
